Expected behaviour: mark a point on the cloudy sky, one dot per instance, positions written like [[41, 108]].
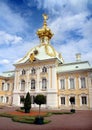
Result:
[[69, 20]]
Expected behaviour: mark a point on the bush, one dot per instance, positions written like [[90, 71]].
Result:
[[73, 110]]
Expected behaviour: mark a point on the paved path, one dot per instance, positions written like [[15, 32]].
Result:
[[81, 120]]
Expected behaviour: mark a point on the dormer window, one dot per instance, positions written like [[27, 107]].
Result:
[[23, 72], [33, 71], [44, 69]]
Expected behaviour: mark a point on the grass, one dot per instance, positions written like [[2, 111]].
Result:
[[30, 119], [22, 119]]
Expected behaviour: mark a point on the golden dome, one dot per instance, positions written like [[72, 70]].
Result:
[[44, 31]]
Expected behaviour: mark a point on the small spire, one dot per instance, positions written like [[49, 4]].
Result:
[[45, 17]]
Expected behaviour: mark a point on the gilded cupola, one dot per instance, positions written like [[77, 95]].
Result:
[[44, 33]]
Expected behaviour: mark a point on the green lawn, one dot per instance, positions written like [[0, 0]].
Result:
[[30, 119]]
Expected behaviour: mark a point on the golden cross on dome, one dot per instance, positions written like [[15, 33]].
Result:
[[45, 17]]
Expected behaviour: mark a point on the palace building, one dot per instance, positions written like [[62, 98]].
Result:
[[43, 71]]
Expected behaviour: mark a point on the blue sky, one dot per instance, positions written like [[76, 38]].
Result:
[[69, 20]]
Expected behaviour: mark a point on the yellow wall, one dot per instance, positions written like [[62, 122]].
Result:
[[7, 93], [77, 91]]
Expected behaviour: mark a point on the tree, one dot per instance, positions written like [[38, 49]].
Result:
[[27, 103], [40, 99]]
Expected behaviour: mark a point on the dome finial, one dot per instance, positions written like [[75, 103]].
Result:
[[45, 17], [44, 33]]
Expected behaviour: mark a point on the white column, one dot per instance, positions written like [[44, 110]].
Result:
[[49, 79], [54, 78], [15, 81], [27, 79], [38, 79]]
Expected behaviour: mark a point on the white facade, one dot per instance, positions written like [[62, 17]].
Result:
[[43, 71]]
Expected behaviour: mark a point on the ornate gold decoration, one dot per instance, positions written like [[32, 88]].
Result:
[[50, 53], [44, 31], [32, 57], [45, 17]]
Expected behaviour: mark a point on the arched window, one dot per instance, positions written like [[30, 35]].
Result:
[[23, 72], [22, 85], [32, 84], [44, 69], [44, 83], [8, 86], [3, 86], [33, 71]]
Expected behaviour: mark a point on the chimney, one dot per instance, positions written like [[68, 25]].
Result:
[[78, 57]]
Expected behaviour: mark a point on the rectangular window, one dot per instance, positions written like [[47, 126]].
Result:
[[33, 84], [62, 83], [44, 83], [83, 83], [21, 99], [84, 100], [72, 85], [32, 99], [7, 99], [63, 100]]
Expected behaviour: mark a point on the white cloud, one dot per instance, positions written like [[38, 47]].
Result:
[[10, 21], [4, 61], [6, 38], [63, 7]]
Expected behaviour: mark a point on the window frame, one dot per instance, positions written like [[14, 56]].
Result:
[[22, 85], [33, 71], [71, 84], [82, 83], [62, 84], [62, 101], [23, 72], [44, 70], [44, 83], [84, 100], [33, 82]]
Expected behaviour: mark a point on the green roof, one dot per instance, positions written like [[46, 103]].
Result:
[[73, 66], [8, 74], [44, 52]]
